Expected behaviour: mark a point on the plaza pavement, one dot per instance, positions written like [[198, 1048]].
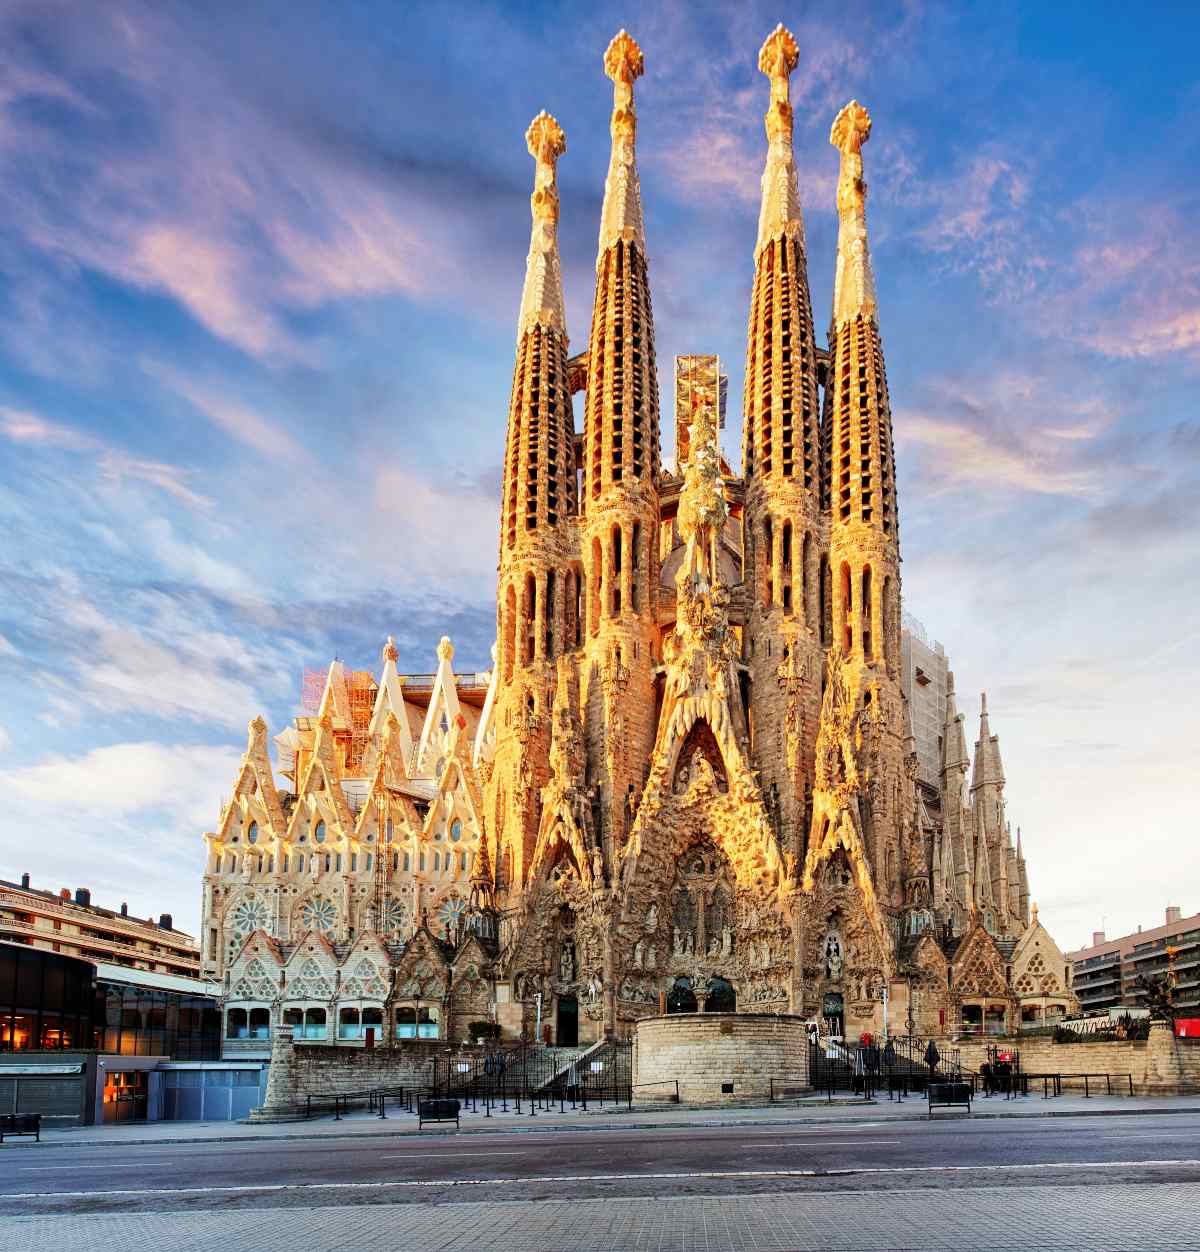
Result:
[[1094, 1218]]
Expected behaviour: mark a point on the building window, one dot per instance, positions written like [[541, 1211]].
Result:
[[319, 833], [236, 1024], [252, 833], [406, 1023], [427, 1023], [305, 1023], [260, 1023]]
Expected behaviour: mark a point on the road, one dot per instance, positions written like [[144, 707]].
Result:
[[439, 1167], [1063, 1184]]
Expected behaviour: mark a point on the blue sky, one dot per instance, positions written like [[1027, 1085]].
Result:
[[259, 275]]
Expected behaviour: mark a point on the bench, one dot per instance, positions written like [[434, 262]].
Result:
[[949, 1095], [437, 1111], [21, 1124]]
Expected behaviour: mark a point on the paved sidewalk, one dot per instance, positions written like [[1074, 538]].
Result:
[[809, 1113], [1092, 1218]]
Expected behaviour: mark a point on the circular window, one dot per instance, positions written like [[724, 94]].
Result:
[[456, 831], [319, 833], [252, 833]]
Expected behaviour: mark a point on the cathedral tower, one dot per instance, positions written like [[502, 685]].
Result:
[[783, 533], [620, 508], [987, 806], [539, 573], [858, 484]]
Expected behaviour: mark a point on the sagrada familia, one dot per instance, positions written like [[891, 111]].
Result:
[[689, 781]]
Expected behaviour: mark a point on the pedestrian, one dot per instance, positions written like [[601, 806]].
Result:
[[985, 1072]]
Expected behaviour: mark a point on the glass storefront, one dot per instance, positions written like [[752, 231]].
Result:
[[46, 1000], [51, 1002]]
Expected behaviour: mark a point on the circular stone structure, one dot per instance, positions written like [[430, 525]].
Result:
[[718, 1057]]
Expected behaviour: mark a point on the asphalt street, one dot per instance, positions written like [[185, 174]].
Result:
[[581, 1164]]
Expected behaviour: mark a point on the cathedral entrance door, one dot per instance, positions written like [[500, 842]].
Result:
[[681, 998], [834, 1012], [566, 1026]]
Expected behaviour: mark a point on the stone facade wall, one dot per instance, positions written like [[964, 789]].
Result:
[[1160, 1065], [703, 1052]]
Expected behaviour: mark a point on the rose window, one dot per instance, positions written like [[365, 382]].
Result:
[[319, 914], [395, 915], [249, 915], [452, 912]]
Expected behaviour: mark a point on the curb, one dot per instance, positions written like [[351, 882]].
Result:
[[575, 1127]]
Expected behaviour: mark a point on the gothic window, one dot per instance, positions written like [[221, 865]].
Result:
[[548, 611], [786, 557], [865, 612], [635, 562], [615, 588], [406, 1022], [528, 624], [252, 833], [319, 833], [237, 1024], [260, 1023], [847, 610]]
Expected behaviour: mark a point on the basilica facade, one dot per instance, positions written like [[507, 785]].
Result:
[[688, 781]]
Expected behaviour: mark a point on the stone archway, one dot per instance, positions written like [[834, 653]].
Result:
[[681, 998], [721, 997]]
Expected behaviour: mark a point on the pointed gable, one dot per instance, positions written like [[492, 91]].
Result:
[[389, 704], [443, 716], [978, 967]]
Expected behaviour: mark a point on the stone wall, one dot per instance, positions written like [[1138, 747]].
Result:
[[705, 1052], [300, 1069], [1160, 1065]]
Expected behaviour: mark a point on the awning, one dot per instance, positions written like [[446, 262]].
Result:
[[35, 1071]]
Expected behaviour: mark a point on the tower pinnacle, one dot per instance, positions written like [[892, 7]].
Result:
[[542, 295], [854, 285], [621, 218], [780, 213]]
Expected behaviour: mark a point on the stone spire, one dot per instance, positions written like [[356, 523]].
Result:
[[780, 405], [858, 466], [621, 217], [542, 296], [954, 776], [987, 767], [853, 283], [538, 503], [783, 534], [857, 457], [779, 215], [621, 436], [620, 507]]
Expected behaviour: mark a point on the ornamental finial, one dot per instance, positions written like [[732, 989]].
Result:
[[623, 60], [851, 128], [546, 142], [390, 651], [445, 649], [777, 58]]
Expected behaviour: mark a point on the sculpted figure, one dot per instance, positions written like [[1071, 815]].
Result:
[[652, 958], [637, 955], [678, 940], [726, 941], [652, 918]]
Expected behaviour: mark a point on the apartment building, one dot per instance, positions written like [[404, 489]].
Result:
[[71, 924]]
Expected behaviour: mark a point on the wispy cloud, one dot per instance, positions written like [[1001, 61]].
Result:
[[231, 415], [116, 466]]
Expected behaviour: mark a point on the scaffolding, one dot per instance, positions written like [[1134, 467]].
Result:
[[696, 378]]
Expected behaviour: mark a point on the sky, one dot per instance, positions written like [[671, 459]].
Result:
[[260, 267]]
